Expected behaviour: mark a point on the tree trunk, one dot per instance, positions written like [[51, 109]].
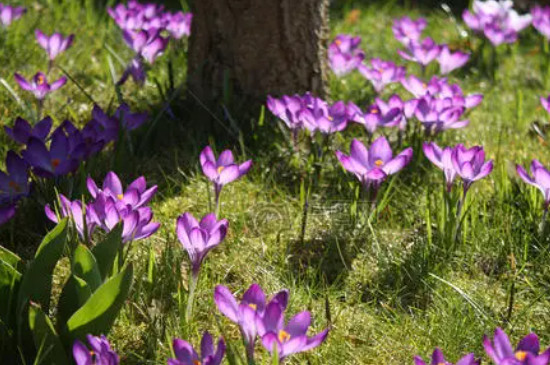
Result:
[[252, 48]]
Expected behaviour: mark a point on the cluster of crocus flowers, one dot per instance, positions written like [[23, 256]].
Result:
[[496, 20], [439, 105], [424, 51], [311, 113], [467, 163], [259, 318], [98, 351], [186, 354], [500, 351], [144, 26], [392, 113], [344, 54], [61, 152], [374, 164], [222, 170], [381, 73], [10, 13], [111, 205], [136, 15]]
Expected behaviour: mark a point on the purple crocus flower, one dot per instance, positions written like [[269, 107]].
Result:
[[540, 179], [370, 119], [22, 130], [372, 166], [7, 212], [129, 120], [449, 61], [244, 314], [496, 20], [422, 52], [395, 111], [198, 238], [545, 102], [442, 158], [286, 339], [289, 109], [106, 212], [437, 115], [10, 13], [419, 88], [326, 119], [344, 54], [541, 19], [136, 70], [98, 352], [382, 73], [39, 85], [186, 354], [179, 24], [136, 194], [406, 30], [55, 161], [470, 164], [76, 211], [54, 44], [223, 170], [147, 43], [500, 350], [14, 183], [439, 359]]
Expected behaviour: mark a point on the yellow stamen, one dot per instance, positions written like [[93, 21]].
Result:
[[196, 362], [374, 110], [253, 306], [378, 163], [521, 355], [40, 79], [284, 336], [220, 169], [338, 42], [330, 118], [120, 196], [424, 85], [55, 162]]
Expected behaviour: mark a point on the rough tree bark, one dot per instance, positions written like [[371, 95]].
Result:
[[257, 47]]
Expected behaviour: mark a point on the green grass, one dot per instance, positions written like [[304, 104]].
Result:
[[391, 289]]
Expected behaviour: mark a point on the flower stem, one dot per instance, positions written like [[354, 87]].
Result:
[[193, 280], [250, 353], [217, 193], [542, 226], [459, 214]]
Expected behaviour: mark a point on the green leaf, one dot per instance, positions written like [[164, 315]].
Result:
[[9, 283], [45, 338], [37, 280], [10, 258], [97, 315], [105, 251], [75, 293], [84, 266]]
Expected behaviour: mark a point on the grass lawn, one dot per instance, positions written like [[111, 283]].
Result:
[[390, 287]]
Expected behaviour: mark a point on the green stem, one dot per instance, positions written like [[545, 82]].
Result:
[[193, 280]]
